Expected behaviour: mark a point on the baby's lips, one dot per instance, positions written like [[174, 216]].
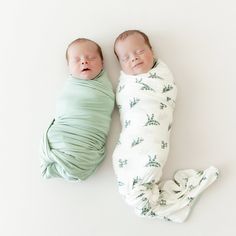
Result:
[[85, 69], [138, 64]]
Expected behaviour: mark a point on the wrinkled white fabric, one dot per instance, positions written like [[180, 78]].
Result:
[[146, 103]]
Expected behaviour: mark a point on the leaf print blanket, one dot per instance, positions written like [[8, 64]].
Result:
[[74, 144], [146, 103]]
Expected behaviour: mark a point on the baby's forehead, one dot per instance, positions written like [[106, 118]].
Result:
[[85, 46], [132, 40]]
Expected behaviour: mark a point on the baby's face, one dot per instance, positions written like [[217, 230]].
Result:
[[135, 56], [84, 60]]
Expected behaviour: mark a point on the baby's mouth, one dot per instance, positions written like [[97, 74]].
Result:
[[85, 69], [137, 65]]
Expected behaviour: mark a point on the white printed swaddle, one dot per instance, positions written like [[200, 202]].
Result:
[[146, 103]]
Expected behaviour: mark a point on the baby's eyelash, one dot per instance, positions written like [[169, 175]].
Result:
[[76, 60], [140, 51], [91, 57]]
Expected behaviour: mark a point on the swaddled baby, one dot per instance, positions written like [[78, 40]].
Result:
[[74, 144], [146, 96]]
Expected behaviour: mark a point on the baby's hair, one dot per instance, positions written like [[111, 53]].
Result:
[[79, 40], [127, 33]]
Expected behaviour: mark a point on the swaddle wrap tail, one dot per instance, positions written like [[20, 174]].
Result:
[[74, 144]]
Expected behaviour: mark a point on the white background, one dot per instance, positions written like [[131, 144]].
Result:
[[195, 38]]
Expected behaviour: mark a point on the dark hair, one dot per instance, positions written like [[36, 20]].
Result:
[[84, 40], [127, 33]]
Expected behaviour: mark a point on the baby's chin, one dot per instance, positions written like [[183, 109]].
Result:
[[137, 71]]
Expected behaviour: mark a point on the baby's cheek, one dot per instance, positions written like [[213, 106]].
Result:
[[124, 66]]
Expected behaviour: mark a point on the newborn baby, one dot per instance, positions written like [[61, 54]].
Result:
[[146, 99], [74, 144]]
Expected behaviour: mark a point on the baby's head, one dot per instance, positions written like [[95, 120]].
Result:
[[84, 58], [134, 52]]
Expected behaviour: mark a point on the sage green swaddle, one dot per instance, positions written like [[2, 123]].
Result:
[[74, 144]]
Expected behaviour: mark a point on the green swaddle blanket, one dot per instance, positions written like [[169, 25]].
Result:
[[74, 144]]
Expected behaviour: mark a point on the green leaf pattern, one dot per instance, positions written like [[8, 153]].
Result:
[[151, 120], [120, 88], [167, 88], [137, 141], [163, 144], [127, 123], [144, 85], [122, 163], [133, 102], [162, 106], [136, 180], [152, 162]]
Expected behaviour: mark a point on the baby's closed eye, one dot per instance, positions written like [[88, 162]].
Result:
[[140, 51], [76, 59], [124, 58], [91, 58]]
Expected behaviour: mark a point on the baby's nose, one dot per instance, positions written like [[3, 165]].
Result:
[[84, 62], [134, 58]]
